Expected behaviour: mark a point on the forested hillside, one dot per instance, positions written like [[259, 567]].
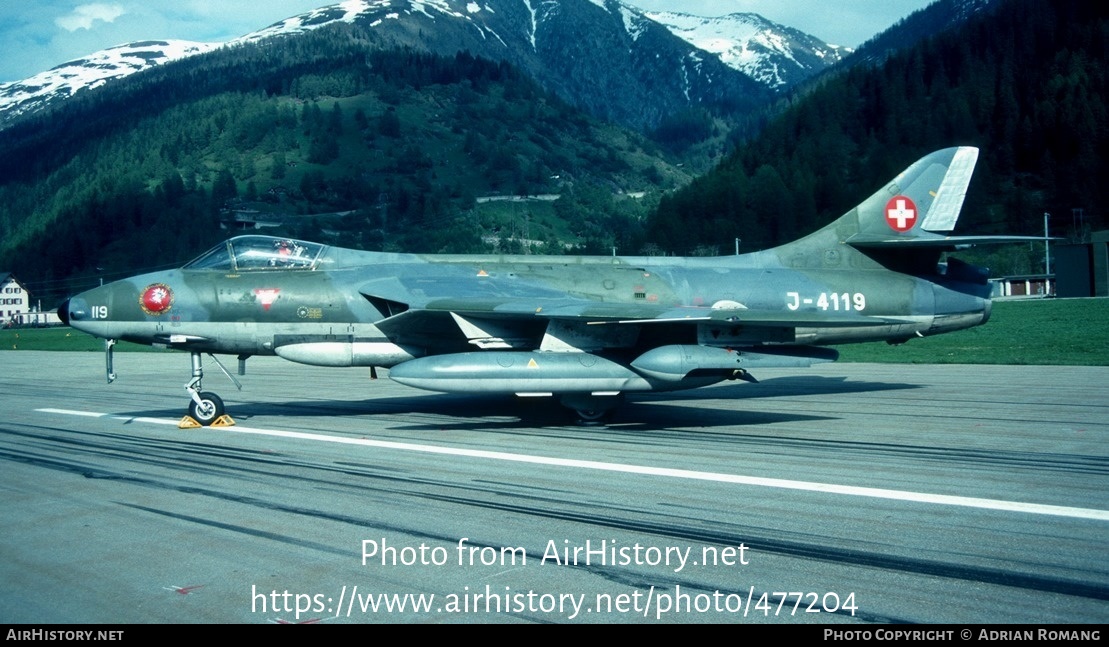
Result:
[[1025, 83], [377, 150]]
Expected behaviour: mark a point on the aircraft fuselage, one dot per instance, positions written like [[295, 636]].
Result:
[[258, 312]]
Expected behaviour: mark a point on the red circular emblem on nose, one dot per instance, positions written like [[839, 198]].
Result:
[[156, 299]]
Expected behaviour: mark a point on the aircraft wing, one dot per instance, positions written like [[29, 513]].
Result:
[[542, 304], [524, 322], [523, 300]]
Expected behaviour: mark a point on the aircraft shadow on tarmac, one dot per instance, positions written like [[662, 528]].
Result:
[[641, 411]]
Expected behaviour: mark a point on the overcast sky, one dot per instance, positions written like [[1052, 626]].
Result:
[[39, 34]]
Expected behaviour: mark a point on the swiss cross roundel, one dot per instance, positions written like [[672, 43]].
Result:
[[156, 299], [901, 213]]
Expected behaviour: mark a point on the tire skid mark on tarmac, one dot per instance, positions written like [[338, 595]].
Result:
[[589, 516], [837, 555], [738, 534]]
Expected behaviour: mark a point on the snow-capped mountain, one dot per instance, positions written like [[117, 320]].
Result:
[[90, 72], [567, 46], [772, 54]]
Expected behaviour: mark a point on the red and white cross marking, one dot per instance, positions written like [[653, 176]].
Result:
[[900, 213]]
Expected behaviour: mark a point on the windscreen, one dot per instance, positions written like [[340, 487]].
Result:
[[252, 253]]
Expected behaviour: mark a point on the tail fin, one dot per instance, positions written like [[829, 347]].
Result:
[[919, 208], [902, 226], [920, 205], [906, 225]]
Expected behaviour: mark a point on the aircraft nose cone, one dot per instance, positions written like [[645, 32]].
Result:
[[63, 312], [75, 309]]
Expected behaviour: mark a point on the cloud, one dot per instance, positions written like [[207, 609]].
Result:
[[85, 15]]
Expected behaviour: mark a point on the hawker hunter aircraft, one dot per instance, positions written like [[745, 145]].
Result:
[[586, 330]]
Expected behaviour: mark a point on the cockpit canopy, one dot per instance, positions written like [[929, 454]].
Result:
[[254, 253]]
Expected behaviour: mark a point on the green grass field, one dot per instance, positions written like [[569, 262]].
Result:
[[1071, 332], [58, 338], [1041, 331]]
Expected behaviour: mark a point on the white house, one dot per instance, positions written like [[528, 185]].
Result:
[[15, 305]]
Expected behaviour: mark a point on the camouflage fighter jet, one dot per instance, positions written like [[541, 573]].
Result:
[[586, 330]]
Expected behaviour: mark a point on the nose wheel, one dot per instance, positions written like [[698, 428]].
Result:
[[206, 408]]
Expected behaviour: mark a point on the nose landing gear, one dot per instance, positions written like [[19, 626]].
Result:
[[206, 408]]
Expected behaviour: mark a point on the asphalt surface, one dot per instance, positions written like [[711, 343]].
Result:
[[848, 493]]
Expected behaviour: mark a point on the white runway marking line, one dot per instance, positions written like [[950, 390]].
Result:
[[829, 488], [70, 412]]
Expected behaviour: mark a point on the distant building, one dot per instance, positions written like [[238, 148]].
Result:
[[1083, 268], [1029, 285], [16, 308], [13, 299]]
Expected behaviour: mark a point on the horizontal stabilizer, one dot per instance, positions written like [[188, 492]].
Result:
[[926, 241]]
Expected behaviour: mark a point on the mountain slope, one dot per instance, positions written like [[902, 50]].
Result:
[[936, 18], [608, 57], [374, 149], [1025, 82]]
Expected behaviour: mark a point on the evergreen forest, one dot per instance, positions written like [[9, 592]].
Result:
[[1026, 83]]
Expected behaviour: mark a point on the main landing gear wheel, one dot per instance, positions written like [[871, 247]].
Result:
[[208, 410], [591, 417], [591, 410]]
